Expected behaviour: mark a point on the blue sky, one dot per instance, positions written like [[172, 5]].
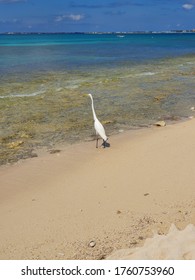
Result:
[[95, 15]]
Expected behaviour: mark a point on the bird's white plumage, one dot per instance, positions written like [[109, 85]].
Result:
[[97, 124]]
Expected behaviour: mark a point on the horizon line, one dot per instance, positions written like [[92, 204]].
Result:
[[100, 32]]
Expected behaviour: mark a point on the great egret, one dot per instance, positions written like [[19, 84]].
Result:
[[98, 127]]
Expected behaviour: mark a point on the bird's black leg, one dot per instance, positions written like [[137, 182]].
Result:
[[97, 141], [104, 144]]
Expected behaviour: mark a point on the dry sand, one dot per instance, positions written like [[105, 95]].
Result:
[[175, 245], [52, 206]]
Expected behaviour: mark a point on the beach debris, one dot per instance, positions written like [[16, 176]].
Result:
[[146, 194], [61, 254], [158, 98], [32, 155], [15, 144], [107, 122], [160, 123], [54, 151], [25, 135], [171, 118], [133, 243], [192, 108], [141, 238], [92, 243], [121, 130], [102, 257], [118, 212]]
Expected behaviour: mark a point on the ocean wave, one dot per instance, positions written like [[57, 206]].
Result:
[[189, 62], [72, 87], [23, 95], [146, 74], [139, 75]]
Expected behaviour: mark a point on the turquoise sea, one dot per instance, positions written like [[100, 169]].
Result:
[[136, 80]]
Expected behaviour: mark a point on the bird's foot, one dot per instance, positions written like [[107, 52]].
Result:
[[105, 144]]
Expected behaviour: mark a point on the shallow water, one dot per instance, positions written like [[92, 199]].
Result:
[[44, 107]]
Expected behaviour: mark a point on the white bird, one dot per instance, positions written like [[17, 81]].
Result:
[[98, 127]]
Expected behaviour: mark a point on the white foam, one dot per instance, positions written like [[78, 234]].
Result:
[[23, 95], [189, 62], [72, 87], [139, 75], [146, 74], [59, 89]]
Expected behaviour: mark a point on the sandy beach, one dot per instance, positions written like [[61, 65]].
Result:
[[85, 203]]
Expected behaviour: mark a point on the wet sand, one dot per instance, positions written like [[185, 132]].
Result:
[[54, 205]]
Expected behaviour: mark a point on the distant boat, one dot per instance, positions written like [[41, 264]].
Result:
[[121, 36]]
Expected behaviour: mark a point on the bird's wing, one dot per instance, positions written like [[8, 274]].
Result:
[[100, 129]]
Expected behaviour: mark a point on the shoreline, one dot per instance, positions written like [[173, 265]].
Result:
[[125, 96], [54, 205], [41, 150]]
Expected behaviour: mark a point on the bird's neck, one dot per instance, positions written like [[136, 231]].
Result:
[[93, 110]]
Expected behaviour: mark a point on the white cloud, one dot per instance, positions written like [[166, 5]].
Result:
[[70, 17], [188, 6], [10, 21], [76, 17], [59, 18]]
